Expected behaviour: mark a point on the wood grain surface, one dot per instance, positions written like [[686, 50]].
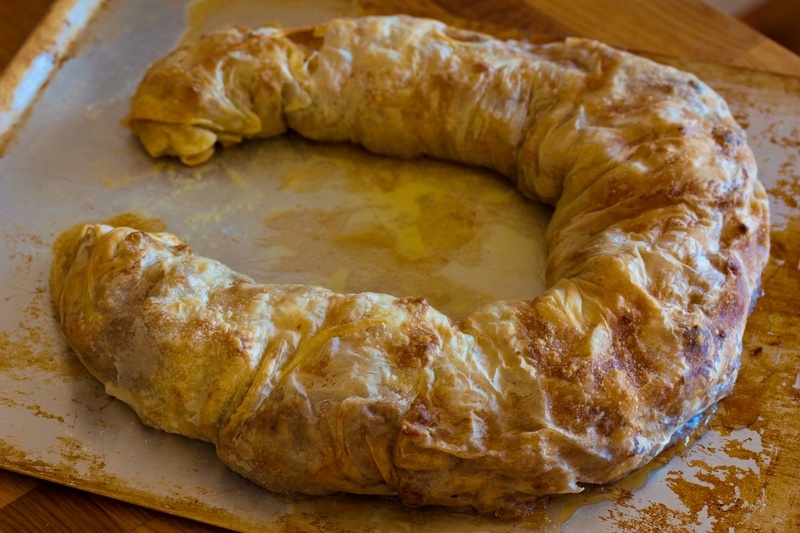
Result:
[[18, 18], [686, 29], [778, 19]]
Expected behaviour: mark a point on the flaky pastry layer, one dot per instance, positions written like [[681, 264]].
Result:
[[656, 246]]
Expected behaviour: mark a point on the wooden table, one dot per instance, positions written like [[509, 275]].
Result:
[[679, 28]]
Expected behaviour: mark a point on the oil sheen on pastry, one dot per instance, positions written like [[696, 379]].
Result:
[[656, 246]]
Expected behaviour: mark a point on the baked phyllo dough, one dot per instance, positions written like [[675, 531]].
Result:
[[656, 246]]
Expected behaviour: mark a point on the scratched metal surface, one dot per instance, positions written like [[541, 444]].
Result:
[[284, 210]]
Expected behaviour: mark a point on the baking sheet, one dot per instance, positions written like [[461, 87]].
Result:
[[289, 210]]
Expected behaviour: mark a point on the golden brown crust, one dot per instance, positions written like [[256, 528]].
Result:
[[657, 244]]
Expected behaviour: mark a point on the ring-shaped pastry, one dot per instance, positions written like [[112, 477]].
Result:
[[656, 246]]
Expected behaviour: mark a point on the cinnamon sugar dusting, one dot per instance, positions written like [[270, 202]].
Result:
[[32, 348], [21, 247]]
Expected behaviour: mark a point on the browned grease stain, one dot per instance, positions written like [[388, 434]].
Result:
[[790, 141], [73, 453], [714, 495], [787, 190], [11, 401], [38, 411], [722, 489]]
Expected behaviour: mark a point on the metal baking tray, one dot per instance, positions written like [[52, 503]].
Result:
[[281, 210]]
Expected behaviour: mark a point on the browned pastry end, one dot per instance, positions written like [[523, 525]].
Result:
[[656, 246]]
